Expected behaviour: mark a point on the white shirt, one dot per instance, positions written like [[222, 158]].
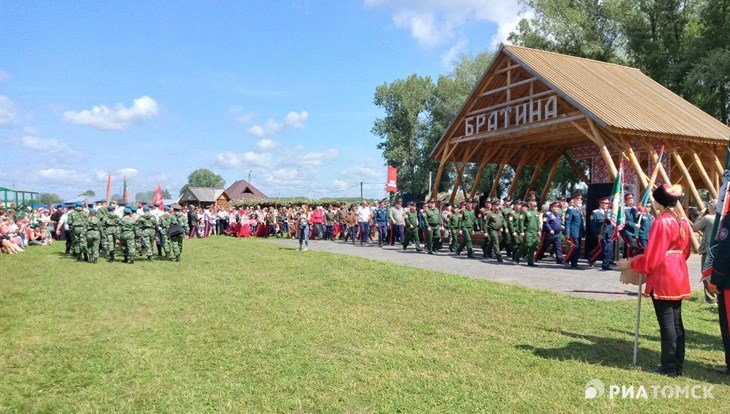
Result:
[[363, 214]]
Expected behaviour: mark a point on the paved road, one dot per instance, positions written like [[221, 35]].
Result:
[[586, 283]]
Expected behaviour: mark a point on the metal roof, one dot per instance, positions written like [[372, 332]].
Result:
[[619, 97]]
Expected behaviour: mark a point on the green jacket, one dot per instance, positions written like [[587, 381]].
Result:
[[411, 219], [433, 217], [127, 227], [495, 221], [467, 220]]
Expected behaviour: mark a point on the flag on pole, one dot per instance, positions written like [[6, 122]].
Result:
[[108, 187], [124, 191], [723, 208], [157, 198], [617, 197], [647, 194]]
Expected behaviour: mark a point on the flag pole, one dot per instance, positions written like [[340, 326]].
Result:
[[636, 331]]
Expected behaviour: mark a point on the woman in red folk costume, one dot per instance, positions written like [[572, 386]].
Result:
[[664, 263]]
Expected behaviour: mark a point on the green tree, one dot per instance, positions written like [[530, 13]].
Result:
[[48, 199], [203, 177], [88, 193], [585, 28], [148, 196], [405, 129]]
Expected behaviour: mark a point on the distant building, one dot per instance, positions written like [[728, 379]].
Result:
[[243, 190], [204, 196]]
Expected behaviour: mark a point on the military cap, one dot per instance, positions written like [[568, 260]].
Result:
[[431, 200], [506, 199], [157, 204], [170, 208], [127, 211], [77, 204], [532, 198], [110, 208], [577, 197], [628, 197], [555, 204], [469, 200], [146, 208], [568, 199], [604, 200], [92, 211], [462, 204], [411, 203], [177, 208], [133, 208]]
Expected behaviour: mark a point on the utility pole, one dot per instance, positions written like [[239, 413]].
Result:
[[361, 196], [249, 176], [429, 183]]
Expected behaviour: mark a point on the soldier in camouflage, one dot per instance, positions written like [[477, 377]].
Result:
[[93, 236]]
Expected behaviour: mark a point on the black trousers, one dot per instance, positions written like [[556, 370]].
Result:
[[723, 307], [671, 329]]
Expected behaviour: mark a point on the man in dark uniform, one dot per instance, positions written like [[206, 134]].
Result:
[[467, 222], [630, 232], [432, 217], [506, 242], [603, 229], [552, 234], [574, 230], [645, 222], [482, 218], [719, 284]]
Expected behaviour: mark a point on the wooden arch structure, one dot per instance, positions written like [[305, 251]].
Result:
[[532, 107]]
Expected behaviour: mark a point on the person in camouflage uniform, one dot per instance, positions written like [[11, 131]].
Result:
[[147, 225], [177, 241], [432, 217], [454, 228], [93, 236], [494, 228], [137, 230], [482, 217], [467, 222], [110, 232], [411, 219], [165, 222], [127, 236], [514, 214], [507, 235], [77, 228], [529, 228]]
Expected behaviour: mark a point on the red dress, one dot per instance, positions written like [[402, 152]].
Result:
[[664, 261]]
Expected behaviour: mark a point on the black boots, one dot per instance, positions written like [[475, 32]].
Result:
[[177, 258]]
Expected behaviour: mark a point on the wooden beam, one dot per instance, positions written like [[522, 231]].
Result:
[[482, 164], [504, 88], [598, 139], [576, 168], [444, 158], [688, 177], [511, 102], [535, 173], [457, 182], [496, 180], [549, 181], [643, 178], [701, 168]]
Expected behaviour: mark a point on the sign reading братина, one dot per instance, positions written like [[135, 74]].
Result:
[[526, 113]]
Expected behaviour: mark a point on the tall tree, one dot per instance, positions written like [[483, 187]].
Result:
[[203, 177], [405, 128], [88, 193]]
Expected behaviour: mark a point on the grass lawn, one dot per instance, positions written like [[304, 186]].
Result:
[[250, 326]]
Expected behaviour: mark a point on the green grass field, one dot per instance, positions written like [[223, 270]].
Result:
[[251, 326]]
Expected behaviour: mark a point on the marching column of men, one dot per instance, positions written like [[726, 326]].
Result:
[[110, 230], [522, 232]]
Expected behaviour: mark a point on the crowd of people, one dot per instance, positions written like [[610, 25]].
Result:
[[23, 227]]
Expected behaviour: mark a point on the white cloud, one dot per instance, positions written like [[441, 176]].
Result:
[[242, 117], [293, 120], [266, 144], [49, 145], [8, 112], [234, 160], [448, 59], [64, 176], [340, 184], [4, 75], [118, 118], [128, 172], [436, 22]]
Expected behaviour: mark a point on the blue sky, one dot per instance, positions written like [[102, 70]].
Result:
[[154, 90]]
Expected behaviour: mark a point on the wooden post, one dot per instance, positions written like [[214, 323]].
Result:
[[496, 180], [538, 165], [457, 183], [687, 176], [603, 148], [576, 168], [482, 165], [549, 180], [665, 177], [447, 153], [643, 178], [698, 162]]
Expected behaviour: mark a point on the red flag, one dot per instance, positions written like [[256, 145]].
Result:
[[392, 185], [125, 193], [108, 187], [157, 198]]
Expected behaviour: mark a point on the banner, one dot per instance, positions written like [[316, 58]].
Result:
[[157, 198], [124, 191], [392, 185], [723, 208]]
